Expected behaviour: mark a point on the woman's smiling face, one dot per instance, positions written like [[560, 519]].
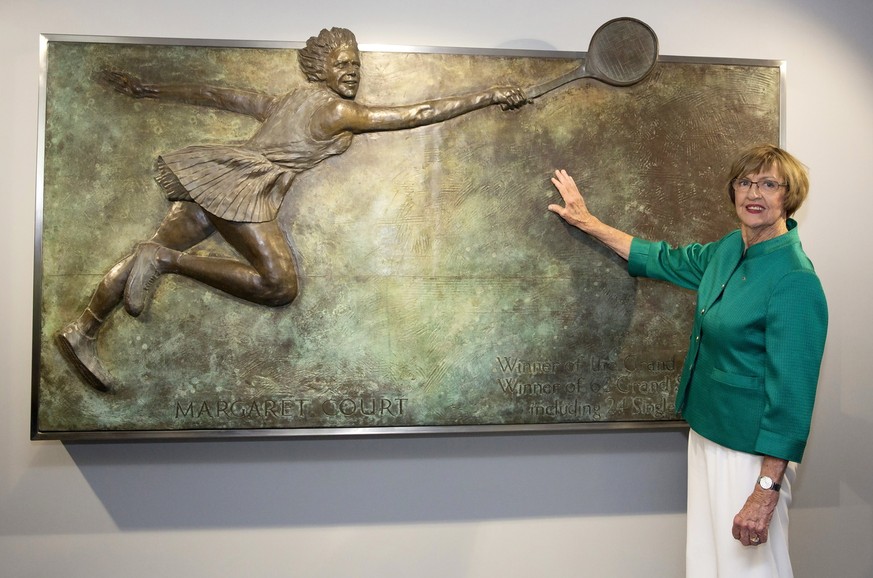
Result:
[[761, 208]]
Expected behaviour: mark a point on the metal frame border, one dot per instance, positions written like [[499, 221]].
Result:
[[327, 432]]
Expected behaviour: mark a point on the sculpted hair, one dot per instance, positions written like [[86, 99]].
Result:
[[762, 157], [313, 57]]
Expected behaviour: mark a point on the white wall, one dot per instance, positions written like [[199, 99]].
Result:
[[594, 504]]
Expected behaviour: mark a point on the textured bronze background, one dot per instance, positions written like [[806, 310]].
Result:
[[436, 289]]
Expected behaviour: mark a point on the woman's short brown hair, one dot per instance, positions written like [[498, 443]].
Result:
[[762, 157]]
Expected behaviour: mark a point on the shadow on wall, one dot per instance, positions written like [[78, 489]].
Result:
[[304, 482]]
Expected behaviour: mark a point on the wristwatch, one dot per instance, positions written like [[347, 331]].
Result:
[[767, 483]]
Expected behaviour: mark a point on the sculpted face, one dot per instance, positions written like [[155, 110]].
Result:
[[343, 71]]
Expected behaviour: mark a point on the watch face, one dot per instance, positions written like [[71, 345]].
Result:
[[765, 482]]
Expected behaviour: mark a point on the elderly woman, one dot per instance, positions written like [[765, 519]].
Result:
[[750, 375], [237, 190]]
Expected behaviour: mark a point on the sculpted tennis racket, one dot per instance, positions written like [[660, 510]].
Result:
[[622, 52]]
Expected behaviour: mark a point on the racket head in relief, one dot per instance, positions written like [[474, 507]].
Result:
[[623, 51]]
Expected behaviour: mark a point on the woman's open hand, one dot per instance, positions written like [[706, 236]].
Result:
[[574, 211]]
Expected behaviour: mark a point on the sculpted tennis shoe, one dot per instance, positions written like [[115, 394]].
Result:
[[142, 277], [81, 351]]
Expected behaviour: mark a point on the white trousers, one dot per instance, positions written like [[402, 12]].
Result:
[[719, 482]]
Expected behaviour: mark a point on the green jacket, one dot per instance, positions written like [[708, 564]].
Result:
[[756, 345]]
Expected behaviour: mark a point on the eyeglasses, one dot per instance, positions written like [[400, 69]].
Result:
[[765, 185]]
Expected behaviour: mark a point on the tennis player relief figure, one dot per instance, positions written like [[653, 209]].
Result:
[[233, 192]]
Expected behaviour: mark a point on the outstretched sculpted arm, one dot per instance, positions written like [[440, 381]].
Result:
[[248, 102], [350, 116]]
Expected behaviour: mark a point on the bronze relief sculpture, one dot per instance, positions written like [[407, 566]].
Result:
[[365, 273], [235, 191]]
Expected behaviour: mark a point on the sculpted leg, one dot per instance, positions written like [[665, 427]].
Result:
[[184, 226], [78, 340], [269, 276]]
